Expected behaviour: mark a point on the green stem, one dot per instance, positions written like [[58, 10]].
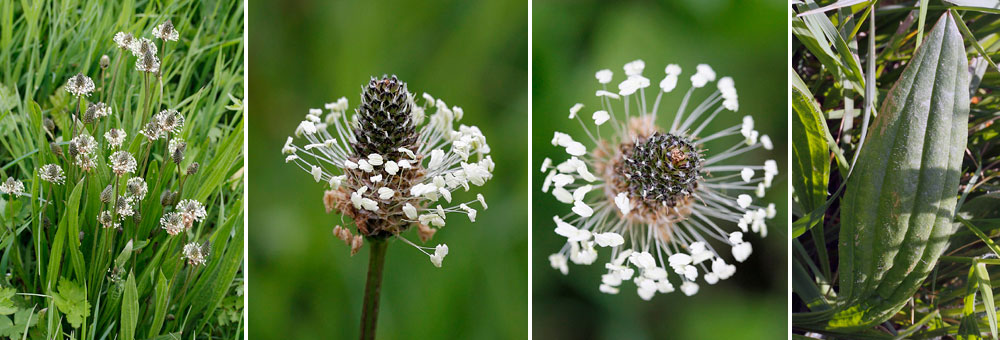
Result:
[[373, 287]]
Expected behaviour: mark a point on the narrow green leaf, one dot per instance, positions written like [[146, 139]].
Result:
[[833, 6], [162, 295], [979, 4], [972, 39], [130, 309], [987, 291], [810, 149], [72, 239], [979, 233], [968, 328]]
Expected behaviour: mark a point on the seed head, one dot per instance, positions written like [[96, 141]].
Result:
[[73, 150], [192, 168], [96, 111], [56, 149], [52, 173], [387, 164], [658, 198], [107, 194], [176, 149], [148, 62], [49, 124], [167, 198], [105, 61]]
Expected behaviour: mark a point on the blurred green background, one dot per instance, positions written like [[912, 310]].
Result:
[[471, 54], [743, 39]]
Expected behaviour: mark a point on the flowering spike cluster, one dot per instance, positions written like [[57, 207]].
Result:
[[390, 164], [144, 49], [196, 254], [80, 85], [122, 162], [52, 173], [656, 197], [166, 31], [12, 187], [96, 111]]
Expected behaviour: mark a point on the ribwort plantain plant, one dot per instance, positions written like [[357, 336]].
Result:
[[887, 244], [387, 167], [111, 227]]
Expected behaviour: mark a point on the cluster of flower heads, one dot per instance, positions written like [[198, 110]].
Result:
[[163, 124], [144, 49], [388, 165], [84, 150], [652, 196], [183, 217]]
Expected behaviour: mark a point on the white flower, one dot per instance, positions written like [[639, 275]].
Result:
[[80, 85], [766, 142], [122, 162], [604, 76], [124, 40], [12, 187], [196, 255], [136, 189], [574, 110], [394, 175], [165, 31], [658, 194], [600, 117], [192, 211], [746, 174], [52, 173], [439, 253], [608, 239], [169, 121], [84, 144], [115, 137], [559, 261], [634, 68], [173, 223]]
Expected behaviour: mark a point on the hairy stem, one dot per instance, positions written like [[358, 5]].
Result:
[[373, 287]]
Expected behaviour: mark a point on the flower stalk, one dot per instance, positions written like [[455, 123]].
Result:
[[373, 287]]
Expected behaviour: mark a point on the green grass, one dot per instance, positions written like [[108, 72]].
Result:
[[66, 275], [844, 65]]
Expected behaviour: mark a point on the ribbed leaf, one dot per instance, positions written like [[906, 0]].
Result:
[[810, 151], [896, 215], [130, 309]]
